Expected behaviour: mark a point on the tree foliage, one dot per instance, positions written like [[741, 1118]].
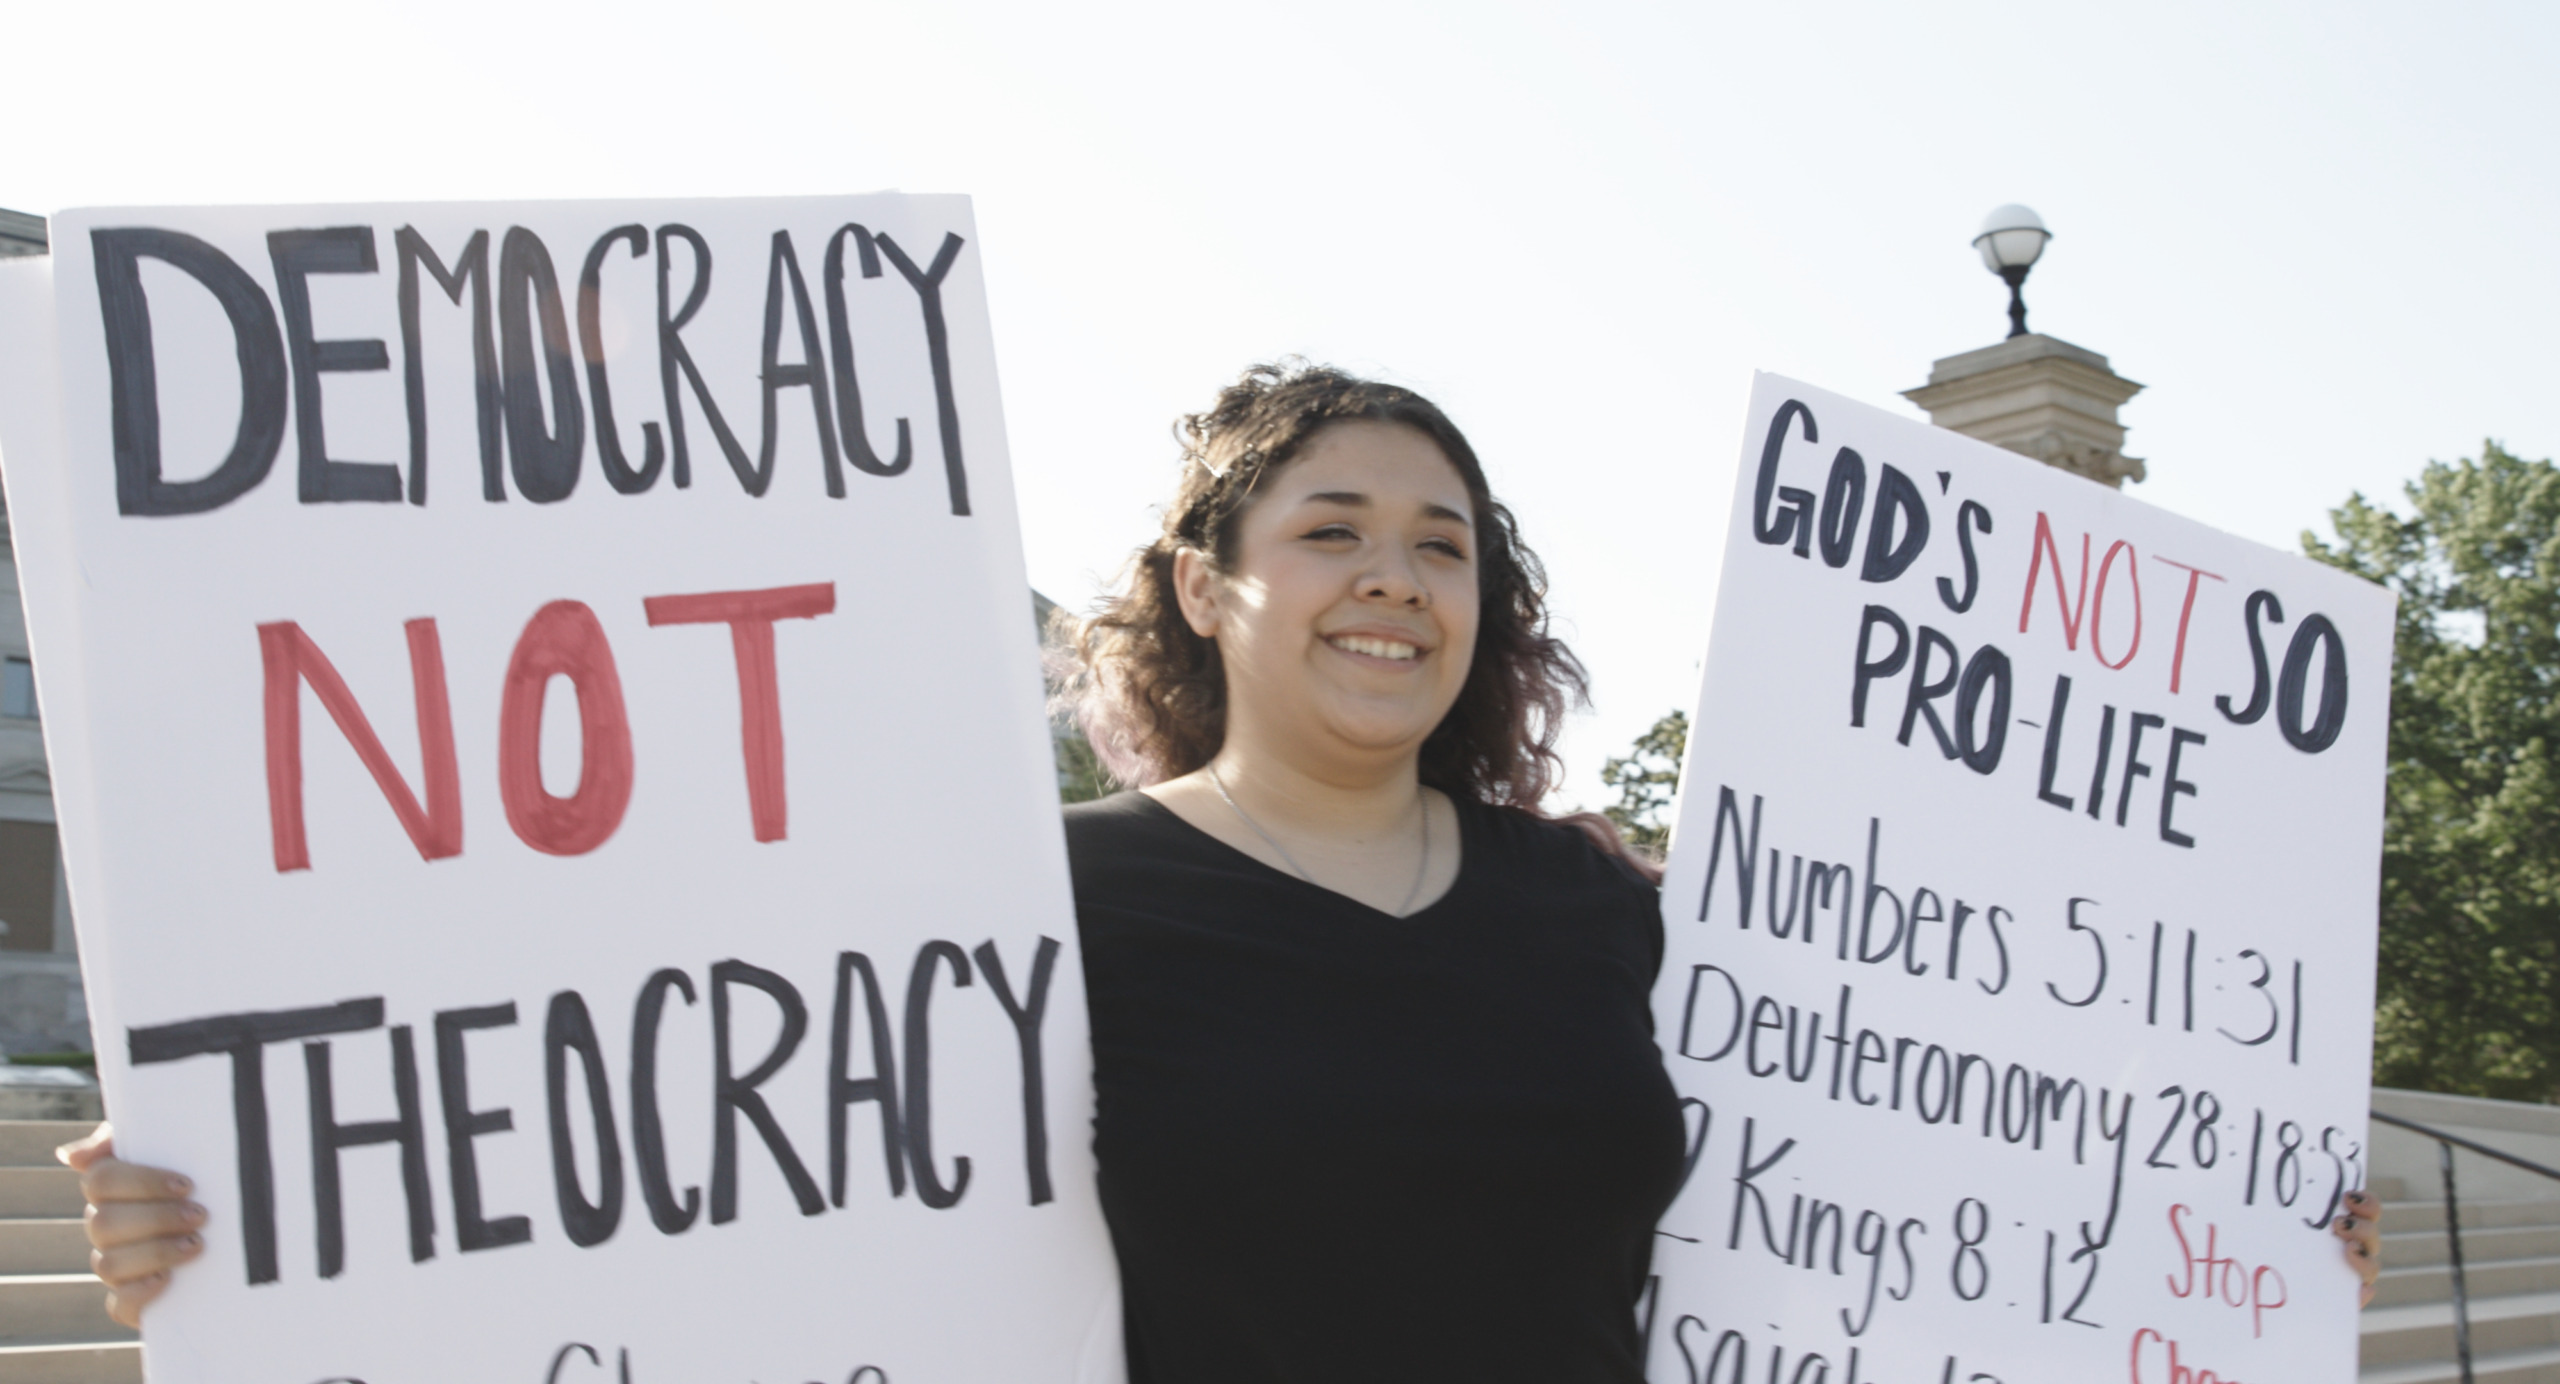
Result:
[[2471, 849], [1646, 777], [1080, 775]]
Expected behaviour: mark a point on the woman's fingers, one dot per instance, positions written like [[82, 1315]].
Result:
[[144, 1259], [116, 1223], [80, 1153], [125, 1301], [2361, 1229], [112, 1179], [140, 1223]]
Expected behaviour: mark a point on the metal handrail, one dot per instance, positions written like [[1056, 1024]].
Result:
[[2445, 1145]]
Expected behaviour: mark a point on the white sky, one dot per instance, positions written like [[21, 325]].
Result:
[[2324, 235]]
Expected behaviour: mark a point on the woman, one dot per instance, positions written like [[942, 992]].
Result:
[[1377, 1095]]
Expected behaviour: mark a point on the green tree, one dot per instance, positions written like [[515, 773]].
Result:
[[2471, 847], [1646, 777], [1080, 775]]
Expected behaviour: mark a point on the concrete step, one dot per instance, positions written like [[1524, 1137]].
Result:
[[2429, 1215], [2389, 1189], [2403, 1285], [2421, 1332], [71, 1362], [44, 1246], [45, 1193], [2485, 1245], [30, 1143], [51, 1102], [56, 1307], [2507, 1367]]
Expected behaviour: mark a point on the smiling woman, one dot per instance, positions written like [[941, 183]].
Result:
[[1377, 1092]]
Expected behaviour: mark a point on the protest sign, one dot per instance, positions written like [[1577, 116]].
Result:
[[2020, 921], [546, 723]]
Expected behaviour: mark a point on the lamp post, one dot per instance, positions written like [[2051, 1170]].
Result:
[[2011, 239], [2032, 394]]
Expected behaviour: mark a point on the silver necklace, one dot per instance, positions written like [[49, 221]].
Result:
[[1420, 874]]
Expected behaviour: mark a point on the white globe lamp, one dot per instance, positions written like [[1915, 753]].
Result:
[[2011, 240]]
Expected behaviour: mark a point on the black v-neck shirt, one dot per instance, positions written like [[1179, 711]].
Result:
[[1337, 1145]]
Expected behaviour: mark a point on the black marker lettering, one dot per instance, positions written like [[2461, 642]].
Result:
[[880, 1088], [298, 255], [1745, 852], [919, 1113], [133, 375], [1925, 690], [1889, 555], [1980, 750], [848, 379], [2260, 602], [462, 1125], [675, 361], [329, 1138], [2053, 745], [244, 1038], [648, 1136], [2134, 768], [1026, 1015], [2314, 634], [609, 453], [471, 269], [1969, 516], [2171, 785], [2098, 776], [544, 458], [811, 373], [1870, 668], [937, 339], [734, 1095], [568, 1028], [1792, 524], [1843, 496]]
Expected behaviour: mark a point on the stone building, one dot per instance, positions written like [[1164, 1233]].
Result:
[[41, 1004]]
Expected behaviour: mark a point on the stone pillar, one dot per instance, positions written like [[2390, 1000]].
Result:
[[2038, 397]]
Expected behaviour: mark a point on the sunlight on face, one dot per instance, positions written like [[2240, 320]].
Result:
[[1349, 620]]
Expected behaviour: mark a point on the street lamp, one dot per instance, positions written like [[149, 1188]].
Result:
[[2011, 239]]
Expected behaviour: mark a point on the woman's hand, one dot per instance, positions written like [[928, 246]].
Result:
[[141, 1224], [2361, 1229]]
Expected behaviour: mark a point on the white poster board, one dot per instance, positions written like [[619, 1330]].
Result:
[[549, 749], [2020, 921]]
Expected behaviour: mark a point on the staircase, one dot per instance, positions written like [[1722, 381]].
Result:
[[54, 1327], [2510, 1247]]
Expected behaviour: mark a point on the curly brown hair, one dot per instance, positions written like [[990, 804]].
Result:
[[1150, 695]]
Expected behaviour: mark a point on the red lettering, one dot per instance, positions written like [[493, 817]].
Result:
[[291, 660], [2186, 611], [750, 616], [2098, 604], [2179, 1372], [564, 638], [2259, 1305], [2234, 1283], [2186, 1253], [2071, 608]]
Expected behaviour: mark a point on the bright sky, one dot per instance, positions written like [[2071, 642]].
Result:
[[2321, 233]]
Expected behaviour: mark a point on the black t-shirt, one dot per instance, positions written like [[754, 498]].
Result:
[[1337, 1145]]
